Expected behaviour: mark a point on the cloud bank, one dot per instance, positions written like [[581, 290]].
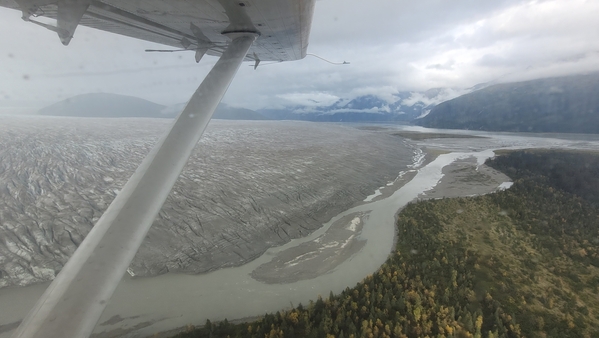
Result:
[[392, 46]]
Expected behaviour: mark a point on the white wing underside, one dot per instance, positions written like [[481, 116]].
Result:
[[283, 25]]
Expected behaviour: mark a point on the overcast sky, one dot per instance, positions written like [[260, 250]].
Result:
[[393, 45]]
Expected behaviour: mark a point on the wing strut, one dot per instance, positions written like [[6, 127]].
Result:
[[75, 300]]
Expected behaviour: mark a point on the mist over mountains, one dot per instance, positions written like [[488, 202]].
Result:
[[405, 107], [223, 112], [565, 104], [103, 105], [115, 105]]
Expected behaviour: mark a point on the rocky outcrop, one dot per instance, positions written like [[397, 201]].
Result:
[[248, 186]]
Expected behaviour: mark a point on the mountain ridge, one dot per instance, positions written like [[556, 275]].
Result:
[[405, 107], [568, 104], [103, 105], [118, 106]]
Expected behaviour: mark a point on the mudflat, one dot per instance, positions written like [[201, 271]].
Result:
[[317, 257], [464, 177]]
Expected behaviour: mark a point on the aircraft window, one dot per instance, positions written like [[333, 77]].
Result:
[[399, 169]]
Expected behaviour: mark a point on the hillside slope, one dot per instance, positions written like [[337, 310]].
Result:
[[103, 105], [566, 105], [115, 105]]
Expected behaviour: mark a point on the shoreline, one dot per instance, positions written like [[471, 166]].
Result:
[[465, 178]]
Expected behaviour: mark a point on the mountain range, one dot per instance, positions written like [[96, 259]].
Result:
[[368, 108], [103, 105], [563, 104], [404, 107], [115, 105]]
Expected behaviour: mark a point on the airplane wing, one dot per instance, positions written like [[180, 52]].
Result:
[[235, 30], [196, 25]]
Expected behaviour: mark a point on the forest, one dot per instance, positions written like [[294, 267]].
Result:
[[522, 262]]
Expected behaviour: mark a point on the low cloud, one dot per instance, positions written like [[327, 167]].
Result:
[[385, 93], [373, 110], [314, 99], [434, 97], [442, 66], [393, 45]]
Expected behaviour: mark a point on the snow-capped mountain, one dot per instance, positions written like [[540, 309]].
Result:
[[405, 106]]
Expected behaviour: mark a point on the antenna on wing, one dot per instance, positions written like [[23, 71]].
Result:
[[272, 63], [331, 62]]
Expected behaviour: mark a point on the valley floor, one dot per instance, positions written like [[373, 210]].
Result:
[[521, 262], [337, 256]]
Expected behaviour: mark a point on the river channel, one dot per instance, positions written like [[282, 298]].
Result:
[[141, 307]]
